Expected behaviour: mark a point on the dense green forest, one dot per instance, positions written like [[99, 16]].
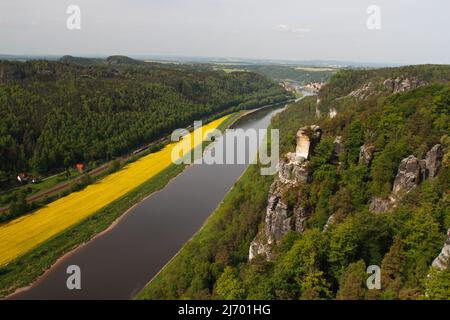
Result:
[[331, 263], [56, 113]]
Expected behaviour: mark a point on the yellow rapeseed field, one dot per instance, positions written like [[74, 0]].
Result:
[[22, 234]]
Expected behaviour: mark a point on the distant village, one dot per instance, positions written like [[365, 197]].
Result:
[[295, 87]]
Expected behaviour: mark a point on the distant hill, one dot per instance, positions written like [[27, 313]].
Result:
[[111, 60], [81, 61], [114, 60]]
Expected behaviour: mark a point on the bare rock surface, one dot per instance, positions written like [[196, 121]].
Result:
[[282, 217], [402, 84], [442, 261], [411, 173]]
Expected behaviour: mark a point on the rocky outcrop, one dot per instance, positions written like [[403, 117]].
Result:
[[402, 84], [294, 172], [331, 221], [442, 261], [282, 217], [307, 138], [332, 113], [366, 154], [411, 172], [363, 92], [338, 148], [433, 160], [278, 216], [259, 247], [318, 108]]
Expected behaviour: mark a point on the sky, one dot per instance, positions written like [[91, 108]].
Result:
[[410, 31]]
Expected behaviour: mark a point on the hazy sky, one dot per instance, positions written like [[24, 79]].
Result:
[[412, 31]]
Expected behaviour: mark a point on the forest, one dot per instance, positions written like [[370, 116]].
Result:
[[58, 113], [330, 263]]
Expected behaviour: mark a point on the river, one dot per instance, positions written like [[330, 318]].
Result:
[[118, 263]]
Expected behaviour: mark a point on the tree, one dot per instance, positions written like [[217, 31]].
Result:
[[353, 140], [352, 284], [437, 284], [392, 268], [228, 286]]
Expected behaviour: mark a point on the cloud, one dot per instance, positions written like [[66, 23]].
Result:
[[293, 30]]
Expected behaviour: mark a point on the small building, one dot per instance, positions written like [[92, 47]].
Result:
[[22, 177], [80, 167]]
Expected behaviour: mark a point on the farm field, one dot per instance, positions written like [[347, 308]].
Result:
[[25, 233]]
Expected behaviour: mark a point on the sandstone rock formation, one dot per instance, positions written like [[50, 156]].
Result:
[[282, 217], [294, 172], [442, 261], [411, 172], [402, 84], [366, 154], [338, 148], [331, 221], [433, 160], [363, 92], [318, 108], [307, 138]]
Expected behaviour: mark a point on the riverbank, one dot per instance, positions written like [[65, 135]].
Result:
[[234, 222], [25, 269]]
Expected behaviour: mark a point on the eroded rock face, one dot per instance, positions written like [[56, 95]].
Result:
[[410, 173], [331, 221], [280, 216], [280, 219], [442, 261], [433, 160], [402, 84], [294, 172], [366, 154], [307, 138], [301, 214], [338, 148], [363, 92], [259, 247]]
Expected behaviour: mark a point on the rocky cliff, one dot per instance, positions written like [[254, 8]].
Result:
[[442, 261], [402, 84], [366, 154], [391, 85], [282, 216], [411, 172]]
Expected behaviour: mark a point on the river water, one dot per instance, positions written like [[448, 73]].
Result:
[[119, 263]]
